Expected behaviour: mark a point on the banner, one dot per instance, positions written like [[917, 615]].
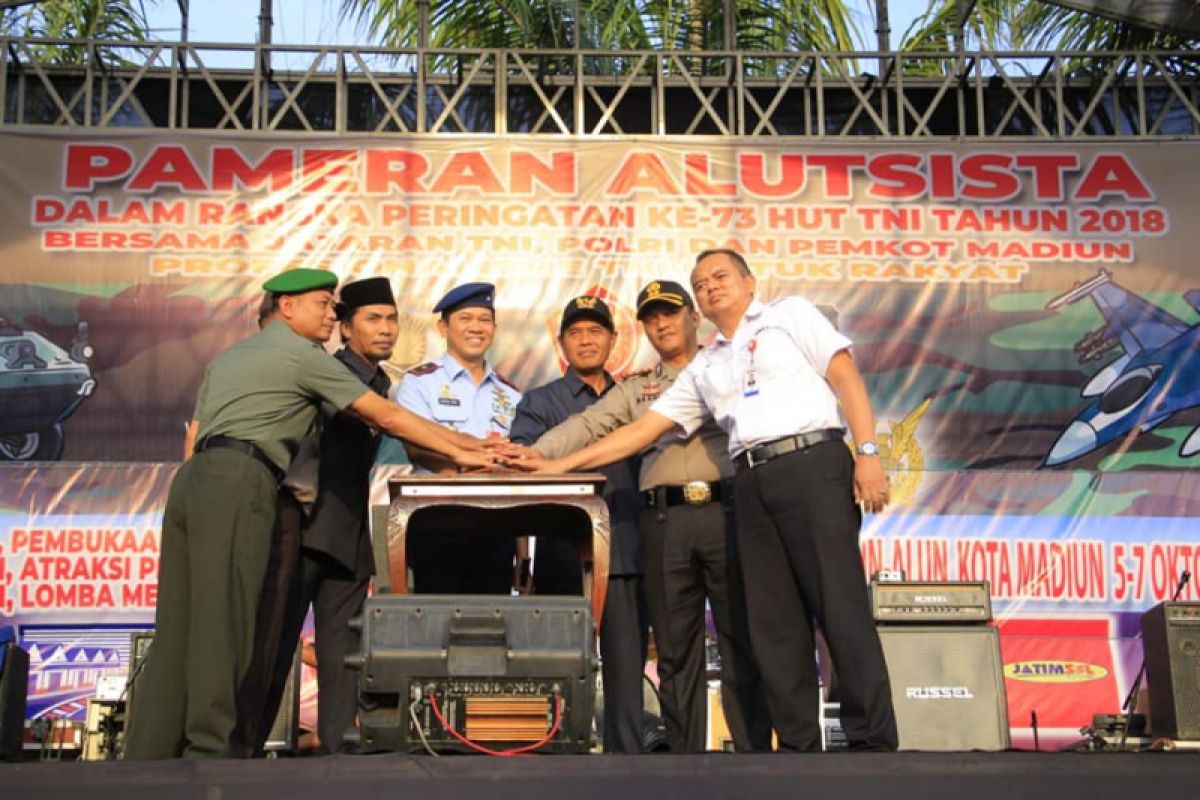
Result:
[[1013, 305], [1025, 316], [79, 556]]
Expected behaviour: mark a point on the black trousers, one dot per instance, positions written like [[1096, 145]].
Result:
[[203, 690], [798, 540], [690, 555], [336, 597], [623, 640]]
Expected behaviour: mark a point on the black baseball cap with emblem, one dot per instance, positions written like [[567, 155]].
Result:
[[468, 295], [367, 292], [667, 293], [586, 307]]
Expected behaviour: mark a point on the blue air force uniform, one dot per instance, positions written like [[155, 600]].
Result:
[[444, 391], [456, 559]]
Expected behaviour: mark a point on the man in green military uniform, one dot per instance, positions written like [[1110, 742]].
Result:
[[198, 695]]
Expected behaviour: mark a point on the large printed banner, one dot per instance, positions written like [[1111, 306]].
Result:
[[1025, 316], [1013, 305]]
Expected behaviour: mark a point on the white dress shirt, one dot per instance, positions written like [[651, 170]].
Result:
[[765, 383]]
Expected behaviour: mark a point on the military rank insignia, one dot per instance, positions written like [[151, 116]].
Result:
[[446, 397]]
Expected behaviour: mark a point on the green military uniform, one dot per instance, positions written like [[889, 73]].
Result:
[[689, 553], [196, 696]]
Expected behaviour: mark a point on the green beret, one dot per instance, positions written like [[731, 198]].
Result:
[[299, 280]]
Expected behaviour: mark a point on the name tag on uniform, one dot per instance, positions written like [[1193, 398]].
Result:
[[750, 383], [750, 379], [449, 401]]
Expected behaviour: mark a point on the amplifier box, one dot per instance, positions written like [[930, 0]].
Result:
[[947, 686], [916, 603], [502, 672], [1171, 641]]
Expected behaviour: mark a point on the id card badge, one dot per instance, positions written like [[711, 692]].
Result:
[[750, 383], [750, 379]]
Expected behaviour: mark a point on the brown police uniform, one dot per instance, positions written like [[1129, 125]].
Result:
[[689, 552]]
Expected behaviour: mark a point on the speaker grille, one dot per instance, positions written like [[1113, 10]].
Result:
[[1171, 639], [947, 687]]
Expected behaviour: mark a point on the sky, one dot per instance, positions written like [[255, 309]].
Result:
[[316, 21]]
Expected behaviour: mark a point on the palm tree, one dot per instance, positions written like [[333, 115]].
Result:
[[1010, 25], [610, 24], [116, 20], [991, 25], [1051, 27]]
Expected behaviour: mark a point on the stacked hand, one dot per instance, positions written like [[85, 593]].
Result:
[[478, 461], [490, 455], [532, 460]]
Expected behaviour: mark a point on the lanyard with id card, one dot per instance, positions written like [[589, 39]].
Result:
[[750, 379]]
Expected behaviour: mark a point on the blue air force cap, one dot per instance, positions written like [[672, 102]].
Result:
[[468, 295]]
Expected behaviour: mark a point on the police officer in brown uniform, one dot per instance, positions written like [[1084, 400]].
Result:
[[687, 533], [197, 696]]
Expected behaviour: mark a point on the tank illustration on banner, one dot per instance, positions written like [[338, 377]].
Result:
[[1157, 376], [41, 385]]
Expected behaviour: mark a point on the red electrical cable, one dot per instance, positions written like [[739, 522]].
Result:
[[437, 712]]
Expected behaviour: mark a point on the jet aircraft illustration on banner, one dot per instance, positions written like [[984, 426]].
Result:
[[1157, 376]]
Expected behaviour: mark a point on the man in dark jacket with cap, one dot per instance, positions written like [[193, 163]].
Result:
[[586, 336], [336, 560], [202, 690]]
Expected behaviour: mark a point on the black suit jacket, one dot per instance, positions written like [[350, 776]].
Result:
[[338, 523]]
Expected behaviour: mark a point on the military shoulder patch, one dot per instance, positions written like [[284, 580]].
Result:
[[423, 369], [508, 383]]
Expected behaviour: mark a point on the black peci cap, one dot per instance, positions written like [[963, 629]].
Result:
[[367, 292]]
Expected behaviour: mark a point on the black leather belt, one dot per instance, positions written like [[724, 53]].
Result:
[[788, 444], [242, 446], [696, 493]]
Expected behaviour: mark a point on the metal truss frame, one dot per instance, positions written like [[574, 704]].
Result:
[[812, 95]]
